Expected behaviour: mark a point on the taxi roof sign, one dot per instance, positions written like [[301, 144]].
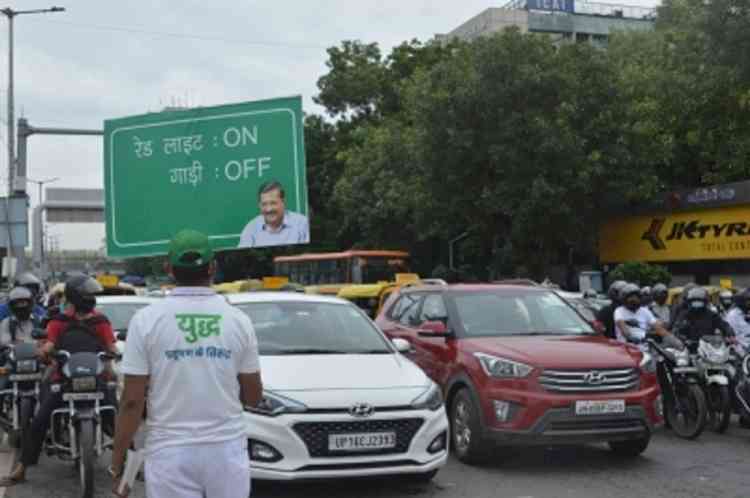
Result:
[[106, 280], [274, 282], [402, 278]]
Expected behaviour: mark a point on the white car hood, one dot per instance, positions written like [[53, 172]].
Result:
[[338, 381]]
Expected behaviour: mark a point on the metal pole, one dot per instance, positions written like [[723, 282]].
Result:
[[11, 117]]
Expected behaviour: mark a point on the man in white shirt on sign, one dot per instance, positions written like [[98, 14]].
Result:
[[198, 356], [633, 321], [275, 225]]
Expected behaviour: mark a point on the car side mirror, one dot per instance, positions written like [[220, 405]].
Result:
[[38, 334], [122, 335], [434, 329], [402, 345], [599, 327]]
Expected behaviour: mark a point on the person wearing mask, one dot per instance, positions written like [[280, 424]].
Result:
[[34, 285], [659, 306], [739, 318], [196, 443], [646, 296], [726, 299], [79, 329], [606, 315], [633, 321], [698, 319], [679, 305], [17, 327]]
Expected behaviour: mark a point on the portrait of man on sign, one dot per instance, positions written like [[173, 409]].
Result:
[[275, 226]]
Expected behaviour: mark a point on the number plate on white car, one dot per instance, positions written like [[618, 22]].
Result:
[[82, 396], [25, 377], [600, 407], [362, 441]]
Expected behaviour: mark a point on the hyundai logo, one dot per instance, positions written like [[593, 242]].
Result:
[[361, 410], [594, 378]]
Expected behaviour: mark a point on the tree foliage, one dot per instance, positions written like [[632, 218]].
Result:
[[642, 274]]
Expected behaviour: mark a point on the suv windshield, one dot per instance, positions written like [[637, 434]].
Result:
[[502, 314], [313, 328]]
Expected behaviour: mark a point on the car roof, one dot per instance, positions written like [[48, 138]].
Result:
[[281, 296], [126, 299], [476, 287]]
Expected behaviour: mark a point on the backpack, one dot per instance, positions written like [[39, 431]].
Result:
[[79, 336]]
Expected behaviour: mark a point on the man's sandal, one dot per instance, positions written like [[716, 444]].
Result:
[[11, 480]]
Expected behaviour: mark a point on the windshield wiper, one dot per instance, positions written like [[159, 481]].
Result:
[[372, 351], [308, 351]]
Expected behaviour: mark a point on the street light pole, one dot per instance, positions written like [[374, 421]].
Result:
[[40, 183], [11, 138]]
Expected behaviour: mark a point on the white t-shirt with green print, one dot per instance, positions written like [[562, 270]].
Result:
[[192, 345]]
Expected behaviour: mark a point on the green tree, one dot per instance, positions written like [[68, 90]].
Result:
[[643, 274]]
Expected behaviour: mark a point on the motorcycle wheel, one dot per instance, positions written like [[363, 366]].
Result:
[[720, 408], [86, 457], [690, 422], [25, 414]]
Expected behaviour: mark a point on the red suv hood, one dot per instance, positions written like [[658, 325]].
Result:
[[563, 352]]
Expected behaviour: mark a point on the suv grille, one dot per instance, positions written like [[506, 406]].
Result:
[[315, 435], [590, 381]]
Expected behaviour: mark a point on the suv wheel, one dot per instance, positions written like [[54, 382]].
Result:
[[466, 428], [631, 448]]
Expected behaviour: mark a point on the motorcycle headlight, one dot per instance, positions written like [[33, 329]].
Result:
[[84, 383], [273, 405], [26, 366], [430, 399], [648, 363], [502, 368], [715, 355]]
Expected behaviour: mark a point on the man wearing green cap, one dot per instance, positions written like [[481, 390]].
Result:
[[198, 355]]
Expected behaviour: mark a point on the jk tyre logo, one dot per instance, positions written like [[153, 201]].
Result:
[[652, 235]]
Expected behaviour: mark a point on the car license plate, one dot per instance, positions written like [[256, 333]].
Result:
[[600, 407], [362, 441], [25, 377], [82, 396]]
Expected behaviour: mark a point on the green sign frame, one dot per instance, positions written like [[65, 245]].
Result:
[[204, 169]]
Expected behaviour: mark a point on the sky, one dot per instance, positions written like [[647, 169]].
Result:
[[105, 59]]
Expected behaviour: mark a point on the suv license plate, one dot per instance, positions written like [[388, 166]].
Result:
[[362, 442], [82, 396], [25, 377], [600, 407]]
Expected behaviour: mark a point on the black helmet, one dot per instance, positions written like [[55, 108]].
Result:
[[30, 281], [614, 289], [697, 298], [628, 290], [742, 300], [20, 302], [80, 291]]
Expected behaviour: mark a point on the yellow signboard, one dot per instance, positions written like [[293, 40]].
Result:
[[107, 281], [722, 233]]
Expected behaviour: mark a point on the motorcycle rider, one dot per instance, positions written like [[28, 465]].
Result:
[[606, 315], [79, 329], [646, 296], [632, 320], [659, 306], [739, 318], [726, 299], [679, 305], [17, 328], [34, 285], [699, 319]]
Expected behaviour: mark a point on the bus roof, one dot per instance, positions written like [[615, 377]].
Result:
[[341, 255]]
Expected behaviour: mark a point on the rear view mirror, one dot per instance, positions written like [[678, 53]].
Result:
[[402, 345], [433, 329], [38, 334], [122, 335]]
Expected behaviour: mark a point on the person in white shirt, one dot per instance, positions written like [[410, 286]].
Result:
[[633, 321], [198, 356], [738, 318]]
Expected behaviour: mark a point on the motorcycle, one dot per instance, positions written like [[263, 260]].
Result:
[[76, 431], [742, 389], [712, 361], [737, 354], [685, 406], [20, 399]]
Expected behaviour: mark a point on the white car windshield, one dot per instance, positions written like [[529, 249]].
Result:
[[285, 328], [120, 314], [503, 314]]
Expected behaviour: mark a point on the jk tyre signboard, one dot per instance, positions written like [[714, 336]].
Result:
[[721, 233], [235, 172]]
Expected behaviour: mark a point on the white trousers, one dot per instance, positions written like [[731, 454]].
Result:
[[219, 470]]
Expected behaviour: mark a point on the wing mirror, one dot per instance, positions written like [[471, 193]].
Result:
[[38, 334], [122, 335], [434, 329], [402, 345], [599, 327]]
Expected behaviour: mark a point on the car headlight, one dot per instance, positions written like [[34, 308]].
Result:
[[84, 383], [273, 405], [648, 363], [430, 399], [503, 368]]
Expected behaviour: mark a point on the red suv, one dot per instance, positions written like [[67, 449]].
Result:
[[519, 366]]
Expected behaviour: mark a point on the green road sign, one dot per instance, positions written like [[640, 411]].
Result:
[[203, 169]]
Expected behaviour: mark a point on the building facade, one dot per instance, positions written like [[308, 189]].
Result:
[[561, 20]]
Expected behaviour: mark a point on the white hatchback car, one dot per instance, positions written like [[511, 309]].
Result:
[[340, 400]]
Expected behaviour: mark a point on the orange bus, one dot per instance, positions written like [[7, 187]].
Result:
[[348, 267]]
